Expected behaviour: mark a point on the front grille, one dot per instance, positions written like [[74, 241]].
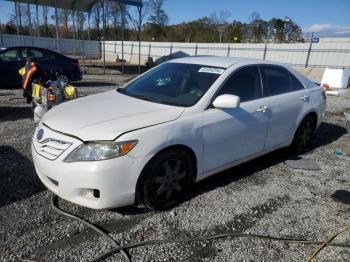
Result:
[[52, 148]]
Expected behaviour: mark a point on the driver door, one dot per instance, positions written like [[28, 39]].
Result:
[[232, 134], [9, 66]]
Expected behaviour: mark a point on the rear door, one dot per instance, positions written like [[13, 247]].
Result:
[[44, 59], [9, 65], [233, 134], [287, 99]]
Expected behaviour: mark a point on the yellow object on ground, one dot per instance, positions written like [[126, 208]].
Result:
[[36, 93], [70, 92]]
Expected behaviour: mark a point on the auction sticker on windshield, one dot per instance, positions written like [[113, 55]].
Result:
[[211, 70]]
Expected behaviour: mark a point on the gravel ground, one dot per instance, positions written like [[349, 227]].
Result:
[[263, 196]]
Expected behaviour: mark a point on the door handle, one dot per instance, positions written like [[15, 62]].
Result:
[[305, 98], [262, 109]]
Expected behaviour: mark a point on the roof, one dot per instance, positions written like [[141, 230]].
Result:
[[79, 5], [216, 61]]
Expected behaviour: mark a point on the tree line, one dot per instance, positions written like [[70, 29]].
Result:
[[214, 28]]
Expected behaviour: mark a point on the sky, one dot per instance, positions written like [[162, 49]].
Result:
[[324, 17]]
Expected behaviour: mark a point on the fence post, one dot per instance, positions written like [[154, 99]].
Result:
[[149, 50], [171, 49], [132, 50], [196, 50], [115, 47], [228, 50], [265, 49], [309, 51]]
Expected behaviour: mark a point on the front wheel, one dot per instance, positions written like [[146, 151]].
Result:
[[166, 179], [303, 134]]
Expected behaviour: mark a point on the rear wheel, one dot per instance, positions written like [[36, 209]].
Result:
[[303, 134], [63, 78], [166, 179]]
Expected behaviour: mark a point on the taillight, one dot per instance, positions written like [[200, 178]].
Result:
[[76, 64]]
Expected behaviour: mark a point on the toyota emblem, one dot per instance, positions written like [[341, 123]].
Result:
[[40, 134]]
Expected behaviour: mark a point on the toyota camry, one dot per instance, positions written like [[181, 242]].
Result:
[[152, 139]]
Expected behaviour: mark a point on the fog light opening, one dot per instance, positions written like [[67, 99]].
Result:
[[92, 194], [96, 193]]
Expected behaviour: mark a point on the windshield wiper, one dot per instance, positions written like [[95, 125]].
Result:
[[147, 98]]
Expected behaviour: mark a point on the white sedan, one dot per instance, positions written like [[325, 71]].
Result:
[[176, 124]]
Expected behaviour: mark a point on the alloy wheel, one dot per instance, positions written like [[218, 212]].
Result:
[[169, 179]]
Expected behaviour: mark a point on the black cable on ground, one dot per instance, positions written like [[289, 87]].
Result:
[[123, 248], [54, 204]]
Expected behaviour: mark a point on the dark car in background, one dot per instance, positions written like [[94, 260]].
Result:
[[54, 64]]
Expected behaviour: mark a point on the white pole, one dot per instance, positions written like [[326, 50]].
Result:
[[74, 33], [30, 23], [57, 28], [104, 36], [139, 37], [37, 19], [20, 22], [2, 39], [17, 23]]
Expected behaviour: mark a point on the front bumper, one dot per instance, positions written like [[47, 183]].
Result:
[[115, 179]]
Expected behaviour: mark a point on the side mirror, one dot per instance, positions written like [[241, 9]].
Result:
[[226, 101]]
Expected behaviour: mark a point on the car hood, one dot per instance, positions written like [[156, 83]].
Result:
[[107, 115]]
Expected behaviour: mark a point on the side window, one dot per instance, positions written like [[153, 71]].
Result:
[[9, 56], [49, 55], [35, 53], [275, 80], [244, 83], [296, 85], [24, 52]]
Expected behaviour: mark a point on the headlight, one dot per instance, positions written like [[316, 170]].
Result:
[[94, 151]]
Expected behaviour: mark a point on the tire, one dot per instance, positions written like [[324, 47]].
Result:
[[166, 180], [63, 78], [303, 135]]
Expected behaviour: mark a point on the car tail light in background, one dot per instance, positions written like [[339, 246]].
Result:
[[76, 64]]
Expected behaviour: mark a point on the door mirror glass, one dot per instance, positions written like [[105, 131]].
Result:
[[226, 101]]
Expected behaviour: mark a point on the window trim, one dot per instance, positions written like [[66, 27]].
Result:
[[229, 76]]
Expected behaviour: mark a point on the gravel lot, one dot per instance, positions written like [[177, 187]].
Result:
[[263, 196]]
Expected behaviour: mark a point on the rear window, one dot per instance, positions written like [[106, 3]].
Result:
[[296, 85], [275, 80]]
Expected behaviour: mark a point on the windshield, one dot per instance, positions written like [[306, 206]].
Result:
[[174, 84]]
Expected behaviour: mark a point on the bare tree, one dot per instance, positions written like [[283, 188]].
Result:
[[157, 14], [97, 14], [257, 28], [45, 13], [114, 15], [134, 19]]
